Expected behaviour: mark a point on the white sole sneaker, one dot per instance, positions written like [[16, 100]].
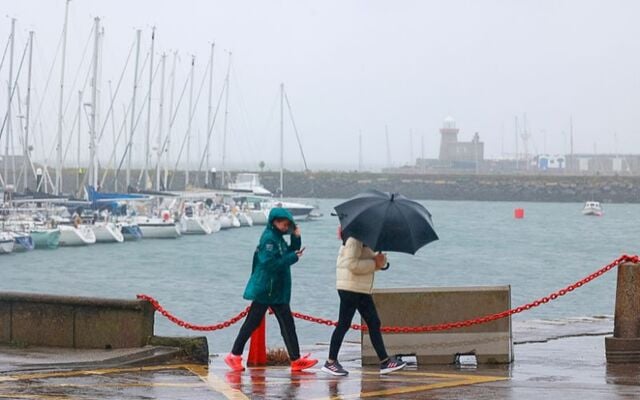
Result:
[[334, 373], [390, 370]]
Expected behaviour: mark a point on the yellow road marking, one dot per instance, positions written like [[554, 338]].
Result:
[[215, 383], [32, 396], [63, 374], [410, 384]]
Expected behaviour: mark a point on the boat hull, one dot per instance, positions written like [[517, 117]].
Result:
[[194, 226], [6, 246], [107, 233], [46, 238], [72, 236]]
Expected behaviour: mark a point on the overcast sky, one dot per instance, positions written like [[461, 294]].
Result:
[[349, 67]]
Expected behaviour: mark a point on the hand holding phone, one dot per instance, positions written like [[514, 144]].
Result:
[[300, 252]]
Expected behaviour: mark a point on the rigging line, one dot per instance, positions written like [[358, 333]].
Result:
[[244, 109], [13, 90], [6, 48], [46, 86], [135, 125], [166, 140], [75, 119], [295, 129], [115, 147], [210, 130], [75, 79], [193, 112], [116, 93]]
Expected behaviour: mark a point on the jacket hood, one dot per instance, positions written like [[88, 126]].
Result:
[[279, 212]]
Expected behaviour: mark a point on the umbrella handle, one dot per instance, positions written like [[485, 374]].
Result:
[[386, 267]]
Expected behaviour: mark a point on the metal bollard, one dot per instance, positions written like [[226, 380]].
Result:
[[624, 345], [258, 346]]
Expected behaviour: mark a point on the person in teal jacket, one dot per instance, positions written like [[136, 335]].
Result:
[[270, 287]]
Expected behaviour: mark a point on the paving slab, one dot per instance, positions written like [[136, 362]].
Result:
[[568, 367]]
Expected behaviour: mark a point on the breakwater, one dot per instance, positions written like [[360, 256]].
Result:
[[539, 188], [332, 184]]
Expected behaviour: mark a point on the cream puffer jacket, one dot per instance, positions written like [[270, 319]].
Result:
[[355, 267]]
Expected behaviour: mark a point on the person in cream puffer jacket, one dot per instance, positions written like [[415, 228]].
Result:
[[355, 269]]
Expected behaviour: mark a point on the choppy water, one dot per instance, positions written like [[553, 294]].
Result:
[[201, 278]]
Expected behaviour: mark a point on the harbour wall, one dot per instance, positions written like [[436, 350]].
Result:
[[331, 184], [537, 188]]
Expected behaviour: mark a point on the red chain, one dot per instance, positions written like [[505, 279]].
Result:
[[408, 329], [187, 325]]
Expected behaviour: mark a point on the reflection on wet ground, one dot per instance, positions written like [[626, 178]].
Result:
[[571, 368]]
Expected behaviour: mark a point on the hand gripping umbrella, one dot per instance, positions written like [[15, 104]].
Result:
[[386, 221]]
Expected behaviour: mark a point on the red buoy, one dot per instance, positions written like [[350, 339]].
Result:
[[518, 213]]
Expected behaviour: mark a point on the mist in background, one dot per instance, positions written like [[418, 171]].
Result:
[[349, 68]]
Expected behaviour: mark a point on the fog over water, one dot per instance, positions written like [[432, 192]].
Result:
[[348, 67]]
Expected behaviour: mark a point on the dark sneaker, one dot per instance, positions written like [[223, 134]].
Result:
[[392, 364], [334, 368]]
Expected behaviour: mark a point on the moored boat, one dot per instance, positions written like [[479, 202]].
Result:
[[592, 208], [6, 243], [23, 242], [107, 232], [158, 228], [45, 238], [81, 235]]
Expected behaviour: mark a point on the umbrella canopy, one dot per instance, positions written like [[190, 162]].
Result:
[[386, 221]]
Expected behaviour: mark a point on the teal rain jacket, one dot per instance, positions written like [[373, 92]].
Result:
[[270, 281]]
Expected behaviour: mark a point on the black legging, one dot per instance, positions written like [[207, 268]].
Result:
[[285, 320], [349, 303]]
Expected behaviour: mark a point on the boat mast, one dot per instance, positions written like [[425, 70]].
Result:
[[186, 175], [224, 131], [58, 185], [147, 148], [93, 164], [160, 114], [79, 139], [168, 140], [133, 109], [9, 94], [360, 151], [281, 140], [206, 172], [27, 161], [386, 135], [571, 139], [424, 164]]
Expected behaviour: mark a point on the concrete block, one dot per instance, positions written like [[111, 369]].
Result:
[[109, 329], [5, 322], [35, 325], [491, 342]]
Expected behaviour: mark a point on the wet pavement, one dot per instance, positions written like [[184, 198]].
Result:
[[572, 368]]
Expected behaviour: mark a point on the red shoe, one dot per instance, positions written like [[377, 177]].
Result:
[[303, 363], [234, 362]]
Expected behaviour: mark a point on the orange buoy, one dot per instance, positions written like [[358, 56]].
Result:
[[518, 213]]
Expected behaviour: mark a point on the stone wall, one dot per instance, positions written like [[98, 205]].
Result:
[[540, 188], [75, 322]]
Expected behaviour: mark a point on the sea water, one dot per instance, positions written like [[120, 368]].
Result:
[[201, 278]]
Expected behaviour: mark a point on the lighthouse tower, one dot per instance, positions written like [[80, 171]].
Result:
[[448, 139]]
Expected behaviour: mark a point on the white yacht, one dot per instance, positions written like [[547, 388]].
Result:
[[157, 228], [592, 208], [249, 183], [6, 243], [107, 232], [81, 235]]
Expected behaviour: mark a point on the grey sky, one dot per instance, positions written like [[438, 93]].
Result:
[[358, 65]]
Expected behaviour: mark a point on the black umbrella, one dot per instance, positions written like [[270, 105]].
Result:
[[386, 221]]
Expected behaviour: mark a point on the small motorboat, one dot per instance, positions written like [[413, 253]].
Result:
[[592, 208]]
